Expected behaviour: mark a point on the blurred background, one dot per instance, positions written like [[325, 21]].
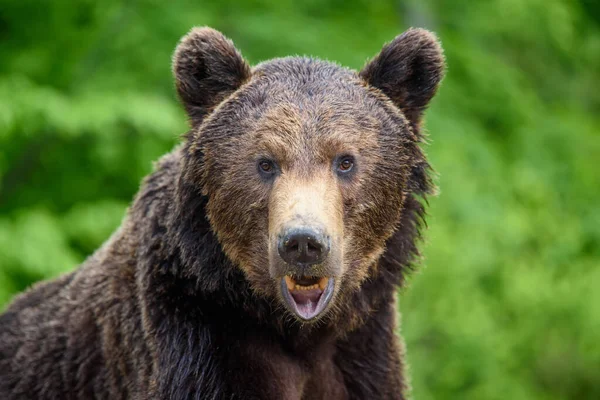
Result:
[[506, 304]]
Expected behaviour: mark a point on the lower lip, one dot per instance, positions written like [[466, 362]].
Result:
[[309, 310]]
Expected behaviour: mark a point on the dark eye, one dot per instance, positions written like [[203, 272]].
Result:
[[345, 164], [266, 167]]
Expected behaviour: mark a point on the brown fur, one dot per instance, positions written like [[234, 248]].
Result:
[[183, 301]]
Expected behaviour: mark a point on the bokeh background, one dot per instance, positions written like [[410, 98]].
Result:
[[506, 304]]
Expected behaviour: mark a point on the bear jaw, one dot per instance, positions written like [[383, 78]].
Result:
[[307, 302]]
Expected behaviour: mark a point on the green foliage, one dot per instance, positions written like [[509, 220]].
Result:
[[506, 305]]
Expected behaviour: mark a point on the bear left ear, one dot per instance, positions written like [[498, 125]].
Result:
[[207, 68], [408, 70]]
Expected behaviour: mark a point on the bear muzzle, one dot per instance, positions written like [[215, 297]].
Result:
[[305, 274]]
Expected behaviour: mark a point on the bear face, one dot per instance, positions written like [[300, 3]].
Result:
[[305, 165]]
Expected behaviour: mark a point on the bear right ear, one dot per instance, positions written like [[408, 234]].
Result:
[[207, 68]]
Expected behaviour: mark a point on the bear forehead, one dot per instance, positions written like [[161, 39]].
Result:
[[302, 69], [300, 110], [309, 83], [296, 97]]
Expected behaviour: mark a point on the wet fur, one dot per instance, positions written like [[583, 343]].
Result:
[[169, 309]]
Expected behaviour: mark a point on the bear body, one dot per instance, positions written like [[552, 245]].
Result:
[[261, 259]]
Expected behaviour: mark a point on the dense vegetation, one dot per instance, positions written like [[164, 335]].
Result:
[[506, 304]]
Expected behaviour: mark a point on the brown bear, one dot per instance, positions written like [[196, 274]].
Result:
[[262, 258]]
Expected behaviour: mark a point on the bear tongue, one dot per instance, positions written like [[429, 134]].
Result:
[[306, 301]]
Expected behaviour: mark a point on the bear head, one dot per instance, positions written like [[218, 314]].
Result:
[[306, 166]]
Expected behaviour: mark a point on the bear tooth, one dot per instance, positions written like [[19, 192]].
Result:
[[294, 286], [323, 283], [290, 283]]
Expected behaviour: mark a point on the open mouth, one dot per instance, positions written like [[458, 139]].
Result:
[[307, 296]]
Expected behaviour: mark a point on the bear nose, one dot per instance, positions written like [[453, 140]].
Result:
[[303, 246]]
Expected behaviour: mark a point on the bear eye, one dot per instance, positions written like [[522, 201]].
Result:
[[345, 164], [266, 167]]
